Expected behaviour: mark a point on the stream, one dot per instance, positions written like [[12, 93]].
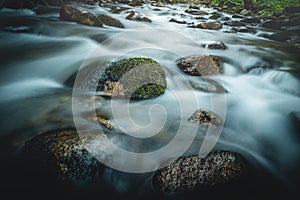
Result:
[[260, 110]]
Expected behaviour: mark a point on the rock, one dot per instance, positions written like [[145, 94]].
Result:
[[136, 78], [195, 12], [246, 12], [273, 24], [215, 16], [230, 30], [192, 6], [117, 9], [64, 153], [71, 13], [243, 30], [137, 17], [281, 36], [203, 65], [100, 118], [204, 117], [250, 20], [110, 21], [136, 3], [292, 9], [237, 16], [90, 19], [293, 21], [259, 69], [189, 173], [234, 23], [216, 45], [294, 29], [294, 40], [178, 21], [214, 25]]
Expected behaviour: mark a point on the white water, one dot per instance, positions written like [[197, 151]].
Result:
[[258, 105]]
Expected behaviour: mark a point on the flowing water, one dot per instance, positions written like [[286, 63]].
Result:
[[39, 53]]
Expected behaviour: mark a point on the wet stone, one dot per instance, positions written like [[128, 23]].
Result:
[[202, 65], [64, 153], [190, 173], [204, 117]]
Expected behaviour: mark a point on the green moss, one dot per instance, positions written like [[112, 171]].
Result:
[[142, 78], [263, 7]]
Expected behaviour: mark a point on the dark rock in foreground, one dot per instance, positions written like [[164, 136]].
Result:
[[203, 65], [64, 153], [189, 173]]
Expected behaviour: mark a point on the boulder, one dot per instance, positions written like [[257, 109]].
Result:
[[189, 173], [234, 23], [215, 16], [64, 153], [204, 117], [178, 21], [273, 24], [292, 9], [136, 3], [281, 36], [136, 78], [213, 25], [202, 65], [216, 45], [71, 13], [250, 20], [137, 17], [110, 21], [195, 12]]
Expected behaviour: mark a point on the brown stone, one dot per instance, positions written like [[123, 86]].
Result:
[[203, 65]]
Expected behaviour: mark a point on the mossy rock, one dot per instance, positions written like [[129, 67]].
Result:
[[136, 78]]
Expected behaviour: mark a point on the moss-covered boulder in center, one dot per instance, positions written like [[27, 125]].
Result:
[[136, 78]]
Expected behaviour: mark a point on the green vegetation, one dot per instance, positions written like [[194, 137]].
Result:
[[259, 6]]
